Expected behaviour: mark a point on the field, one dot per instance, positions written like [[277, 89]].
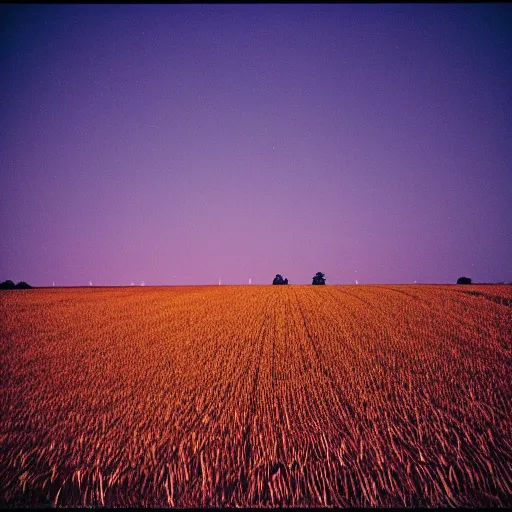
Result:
[[257, 396]]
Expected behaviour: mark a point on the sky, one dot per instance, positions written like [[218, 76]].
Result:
[[187, 144]]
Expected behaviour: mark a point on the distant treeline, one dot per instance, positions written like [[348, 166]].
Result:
[[9, 285]]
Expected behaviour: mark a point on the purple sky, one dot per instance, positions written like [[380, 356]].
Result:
[[144, 142]]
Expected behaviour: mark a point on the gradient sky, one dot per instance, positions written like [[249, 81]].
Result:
[[180, 144]]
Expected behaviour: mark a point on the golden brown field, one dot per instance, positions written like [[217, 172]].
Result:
[[257, 396]]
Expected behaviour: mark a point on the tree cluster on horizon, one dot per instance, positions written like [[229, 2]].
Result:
[[9, 285], [279, 279], [319, 278]]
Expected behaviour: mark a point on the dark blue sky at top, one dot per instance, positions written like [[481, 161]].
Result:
[[180, 144]]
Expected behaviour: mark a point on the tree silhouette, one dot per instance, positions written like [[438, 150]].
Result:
[[464, 280], [9, 285], [279, 280], [23, 286], [319, 278]]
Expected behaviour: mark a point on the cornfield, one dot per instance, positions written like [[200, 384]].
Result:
[[257, 396]]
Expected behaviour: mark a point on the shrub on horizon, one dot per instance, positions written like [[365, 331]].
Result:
[[23, 286], [9, 285], [319, 278]]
